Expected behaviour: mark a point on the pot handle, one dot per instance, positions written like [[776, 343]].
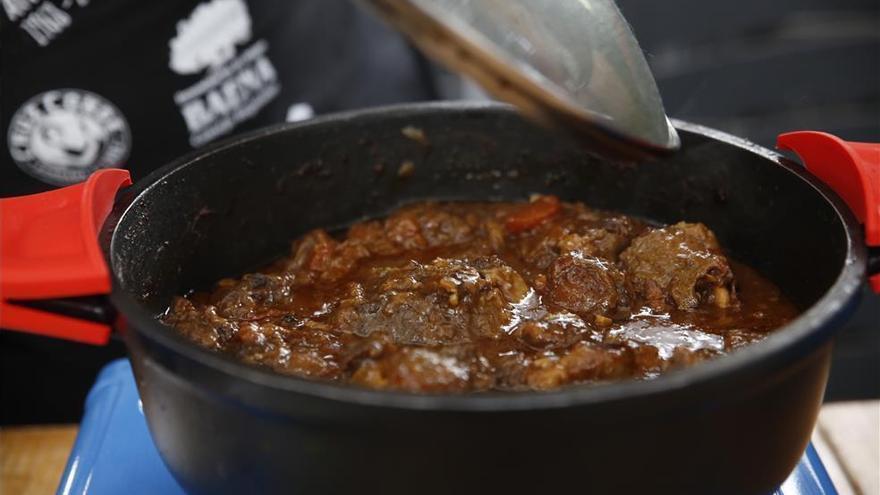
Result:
[[49, 254], [853, 171]]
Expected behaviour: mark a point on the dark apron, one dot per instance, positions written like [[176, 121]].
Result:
[[88, 84]]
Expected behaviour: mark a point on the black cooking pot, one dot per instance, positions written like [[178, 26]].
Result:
[[736, 425]]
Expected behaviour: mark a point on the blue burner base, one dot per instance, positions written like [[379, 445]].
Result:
[[114, 453]]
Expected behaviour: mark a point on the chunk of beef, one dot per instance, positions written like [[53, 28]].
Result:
[[648, 361], [540, 250], [201, 325], [373, 236], [299, 349], [578, 229], [255, 295], [311, 251], [319, 257], [583, 362], [584, 285], [681, 266], [424, 225], [548, 335], [441, 302], [443, 228], [599, 243], [265, 342], [422, 369], [404, 231]]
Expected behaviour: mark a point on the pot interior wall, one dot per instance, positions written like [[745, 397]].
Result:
[[239, 206]]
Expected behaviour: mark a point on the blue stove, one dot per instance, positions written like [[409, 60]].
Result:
[[114, 453]]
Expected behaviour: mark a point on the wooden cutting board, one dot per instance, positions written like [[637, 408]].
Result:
[[32, 458]]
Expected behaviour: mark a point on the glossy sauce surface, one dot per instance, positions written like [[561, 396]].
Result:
[[456, 297]]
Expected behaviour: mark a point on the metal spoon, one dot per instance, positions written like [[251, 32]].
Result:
[[567, 63]]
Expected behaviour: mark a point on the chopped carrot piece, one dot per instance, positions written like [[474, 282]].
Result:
[[532, 214]]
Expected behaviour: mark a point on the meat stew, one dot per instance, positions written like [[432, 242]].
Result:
[[460, 296]]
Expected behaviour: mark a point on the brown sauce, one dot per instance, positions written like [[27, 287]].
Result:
[[455, 297]]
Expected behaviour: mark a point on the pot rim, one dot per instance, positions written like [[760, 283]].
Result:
[[806, 332]]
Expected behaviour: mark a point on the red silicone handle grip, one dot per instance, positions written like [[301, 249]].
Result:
[[49, 248], [851, 169]]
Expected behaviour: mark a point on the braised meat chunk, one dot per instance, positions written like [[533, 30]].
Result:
[[584, 284], [457, 297], [444, 301], [681, 266]]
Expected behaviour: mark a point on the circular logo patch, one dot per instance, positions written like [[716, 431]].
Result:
[[62, 136]]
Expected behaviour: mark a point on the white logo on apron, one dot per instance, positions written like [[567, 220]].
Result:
[[62, 136], [236, 85], [209, 36]]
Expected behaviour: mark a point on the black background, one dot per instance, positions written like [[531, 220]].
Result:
[[758, 68], [752, 67], [330, 54]]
